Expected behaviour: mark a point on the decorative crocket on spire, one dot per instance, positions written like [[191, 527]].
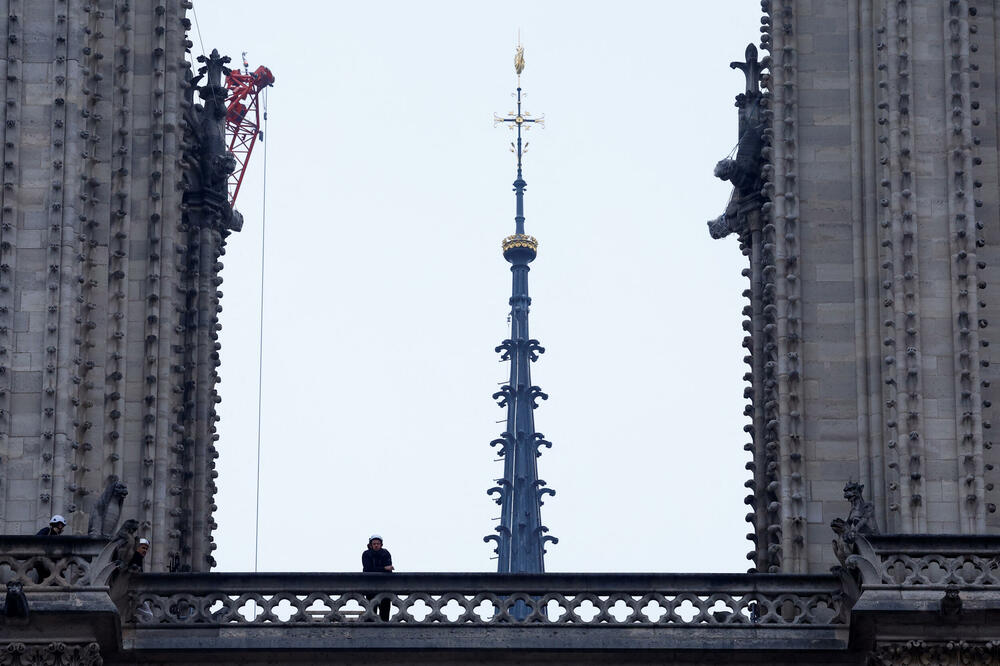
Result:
[[520, 538]]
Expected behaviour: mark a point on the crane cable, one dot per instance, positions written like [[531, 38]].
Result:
[[197, 26], [260, 348]]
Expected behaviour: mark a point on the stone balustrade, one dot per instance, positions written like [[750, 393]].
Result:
[[891, 591], [929, 562], [678, 600], [49, 562]]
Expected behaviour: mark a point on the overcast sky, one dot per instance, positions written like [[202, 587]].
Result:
[[385, 291]]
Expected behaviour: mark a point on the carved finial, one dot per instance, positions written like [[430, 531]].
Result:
[[519, 59], [751, 69], [745, 172]]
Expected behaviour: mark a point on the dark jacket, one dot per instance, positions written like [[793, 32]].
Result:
[[136, 562], [375, 561]]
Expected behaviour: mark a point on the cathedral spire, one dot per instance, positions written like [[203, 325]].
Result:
[[520, 537]]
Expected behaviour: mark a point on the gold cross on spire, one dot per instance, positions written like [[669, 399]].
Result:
[[518, 119]]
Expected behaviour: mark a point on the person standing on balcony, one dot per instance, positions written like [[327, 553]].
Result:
[[139, 557], [55, 528], [377, 559]]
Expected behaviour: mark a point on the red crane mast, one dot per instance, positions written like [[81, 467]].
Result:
[[243, 117]]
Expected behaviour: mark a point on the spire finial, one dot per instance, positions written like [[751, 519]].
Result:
[[519, 120]]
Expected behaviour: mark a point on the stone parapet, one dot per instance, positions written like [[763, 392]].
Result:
[[48, 562], [891, 593]]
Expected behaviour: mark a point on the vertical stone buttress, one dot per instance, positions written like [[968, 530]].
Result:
[[12, 447], [206, 222], [752, 212], [108, 301], [967, 270], [882, 219], [978, 34], [781, 493], [761, 393], [899, 268]]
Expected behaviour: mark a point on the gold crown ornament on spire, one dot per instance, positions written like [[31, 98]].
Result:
[[519, 248]]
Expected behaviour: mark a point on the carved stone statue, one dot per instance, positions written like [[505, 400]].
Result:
[[860, 520], [951, 603], [105, 514], [125, 541], [745, 170], [209, 162], [15, 603]]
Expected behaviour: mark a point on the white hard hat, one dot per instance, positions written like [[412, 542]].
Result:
[[57, 519], [374, 536], [143, 540]]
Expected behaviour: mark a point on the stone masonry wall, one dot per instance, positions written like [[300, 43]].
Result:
[[885, 189], [97, 331]]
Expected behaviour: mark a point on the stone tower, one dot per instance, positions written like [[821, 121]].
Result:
[[114, 215], [871, 233]]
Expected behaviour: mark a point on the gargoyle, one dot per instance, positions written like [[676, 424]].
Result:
[[15, 603], [860, 520], [105, 514]]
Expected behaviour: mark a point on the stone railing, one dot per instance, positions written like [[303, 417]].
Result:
[[49, 562], [653, 600], [894, 596], [66, 611], [929, 562]]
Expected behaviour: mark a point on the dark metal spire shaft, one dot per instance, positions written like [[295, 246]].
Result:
[[520, 537], [519, 183]]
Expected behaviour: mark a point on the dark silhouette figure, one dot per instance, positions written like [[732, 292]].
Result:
[[951, 603], [377, 559], [16, 604]]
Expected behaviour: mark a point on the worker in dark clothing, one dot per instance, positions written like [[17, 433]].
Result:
[[55, 528], [39, 572], [377, 559], [139, 557]]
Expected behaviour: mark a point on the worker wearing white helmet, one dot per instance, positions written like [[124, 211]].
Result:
[[56, 526], [139, 557], [377, 559]]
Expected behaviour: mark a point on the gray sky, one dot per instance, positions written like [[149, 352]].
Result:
[[388, 192]]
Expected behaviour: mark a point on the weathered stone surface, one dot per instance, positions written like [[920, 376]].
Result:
[[107, 287], [901, 599], [878, 245]]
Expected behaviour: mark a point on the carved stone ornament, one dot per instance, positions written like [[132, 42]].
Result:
[[860, 520], [54, 654], [104, 517], [922, 652], [745, 169], [208, 160]]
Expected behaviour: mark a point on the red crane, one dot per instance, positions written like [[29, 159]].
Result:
[[243, 117]]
